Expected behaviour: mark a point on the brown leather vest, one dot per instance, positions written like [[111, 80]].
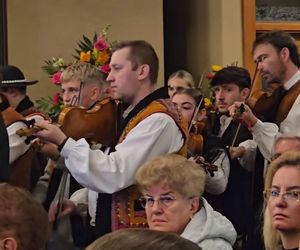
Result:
[[287, 103]]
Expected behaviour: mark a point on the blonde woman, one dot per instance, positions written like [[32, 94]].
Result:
[[172, 189], [281, 228], [180, 79]]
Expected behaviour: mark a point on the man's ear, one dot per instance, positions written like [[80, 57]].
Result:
[[94, 93], [245, 93], [285, 53], [143, 71], [8, 243]]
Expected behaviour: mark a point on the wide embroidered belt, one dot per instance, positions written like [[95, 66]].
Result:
[[126, 209]]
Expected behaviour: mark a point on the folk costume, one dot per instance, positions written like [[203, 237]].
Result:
[[287, 118], [234, 202], [26, 165], [152, 128]]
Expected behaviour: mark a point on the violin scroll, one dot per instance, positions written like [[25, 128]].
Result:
[[209, 168], [29, 131]]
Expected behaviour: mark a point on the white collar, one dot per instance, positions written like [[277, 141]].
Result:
[[291, 82]]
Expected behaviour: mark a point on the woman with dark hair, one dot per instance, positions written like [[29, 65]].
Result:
[[186, 101]]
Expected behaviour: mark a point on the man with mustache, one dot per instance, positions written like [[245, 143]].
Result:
[[229, 85], [277, 59]]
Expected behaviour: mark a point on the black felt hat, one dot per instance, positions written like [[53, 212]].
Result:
[[13, 77]]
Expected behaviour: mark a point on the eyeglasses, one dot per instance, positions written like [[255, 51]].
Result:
[[163, 200], [287, 196]]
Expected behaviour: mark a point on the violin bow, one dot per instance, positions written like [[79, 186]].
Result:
[[199, 102], [242, 109], [61, 195]]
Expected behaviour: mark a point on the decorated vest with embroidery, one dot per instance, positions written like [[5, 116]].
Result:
[[126, 210]]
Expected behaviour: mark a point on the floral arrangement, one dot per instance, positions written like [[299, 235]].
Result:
[[214, 68], [96, 51]]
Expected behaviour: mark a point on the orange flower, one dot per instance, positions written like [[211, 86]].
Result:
[[85, 57], [103, 57]]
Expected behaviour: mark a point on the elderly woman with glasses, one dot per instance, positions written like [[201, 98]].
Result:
[[281, 228], [172, 189]]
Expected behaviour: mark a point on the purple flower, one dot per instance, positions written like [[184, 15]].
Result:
[[105, 68], [101, 44], [56, 78]]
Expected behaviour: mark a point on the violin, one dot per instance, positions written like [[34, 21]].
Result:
[[208, 167], [266, 102], [98, 124], [195, 140]]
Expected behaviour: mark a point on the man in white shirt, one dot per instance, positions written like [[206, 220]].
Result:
[[277, 59], [232, 84], [83, 85], [151, 128]]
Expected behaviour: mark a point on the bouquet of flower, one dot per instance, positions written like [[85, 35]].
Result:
[[96, 51]]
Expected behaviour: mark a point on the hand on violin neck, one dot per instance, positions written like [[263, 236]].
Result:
[[50, 133], [241, 111]]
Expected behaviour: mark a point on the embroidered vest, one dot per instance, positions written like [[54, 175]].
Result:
[[126, 211]]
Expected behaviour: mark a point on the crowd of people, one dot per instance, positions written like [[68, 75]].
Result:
[[172, 175]]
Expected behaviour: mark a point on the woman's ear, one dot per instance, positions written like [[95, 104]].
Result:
[[195, 204], [8, 243]]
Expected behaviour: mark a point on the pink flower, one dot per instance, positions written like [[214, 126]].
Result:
[[101, 44], [56, 98], [105, 68], [56, 78]]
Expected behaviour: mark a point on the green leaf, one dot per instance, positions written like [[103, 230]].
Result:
[[88, 41], [95, 37]]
